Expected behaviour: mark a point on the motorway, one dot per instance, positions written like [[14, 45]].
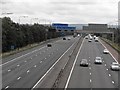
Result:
[[24, 71], [93, 76]]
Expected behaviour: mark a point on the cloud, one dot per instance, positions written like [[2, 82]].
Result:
[[72, 11]]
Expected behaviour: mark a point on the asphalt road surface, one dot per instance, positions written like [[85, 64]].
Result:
[[93, 76], [24, 71]]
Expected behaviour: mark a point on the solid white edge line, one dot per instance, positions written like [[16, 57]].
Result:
[[22, 56], [73, 66], [52, 67], [109, 51]]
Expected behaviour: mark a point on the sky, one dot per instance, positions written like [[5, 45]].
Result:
[[61, 11]]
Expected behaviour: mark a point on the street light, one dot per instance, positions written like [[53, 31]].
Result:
[[22, 17], [34, 19], [46, 33], [6, 13]]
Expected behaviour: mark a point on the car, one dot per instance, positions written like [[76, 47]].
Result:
[[105, 51], [86, 37], [64, 38], [98, 60], [89, 40], [115, 66], [78, 35], [96, 39], [49, 45], [84, 63], [69, 38]]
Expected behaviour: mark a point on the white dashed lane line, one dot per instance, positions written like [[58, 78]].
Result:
[[105, 64], [9, 70], [90, 73], [35, 65], [18, 78], [107, 69], [28, 71], [109, 75], [40, 61], [18, 65], [90, 80], [89, 67], [6, 87], [25, 61], [113, 82]]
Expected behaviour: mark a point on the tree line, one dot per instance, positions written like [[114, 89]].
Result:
[[16, 35]]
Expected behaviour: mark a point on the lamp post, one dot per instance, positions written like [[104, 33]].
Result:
[[46, 33], [6, 13], [33, 19], [22, 17]]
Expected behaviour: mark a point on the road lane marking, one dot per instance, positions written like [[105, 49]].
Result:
[[68, 80], [52, 66], [9, 70], [35, 65], [107, 69], [18, 78], [90, 80], [40, 61], [45, 58], [21, 56], [18, 65], [7, 87], [89, 67], [90, 73], [28, 71], [109, 52], [25, 61], [109, 75], [105, 64], [113, 82]]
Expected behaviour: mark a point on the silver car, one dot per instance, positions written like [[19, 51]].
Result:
[[105, 51], [98, 60], [115, 66], [84, 62]]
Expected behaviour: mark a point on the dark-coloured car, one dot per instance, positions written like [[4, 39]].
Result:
[[49, 45], [64, 38]]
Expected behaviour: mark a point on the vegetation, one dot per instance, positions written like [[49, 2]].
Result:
[[15, 36], [116, 43]]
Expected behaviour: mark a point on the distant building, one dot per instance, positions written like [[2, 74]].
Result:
[[96, 27]]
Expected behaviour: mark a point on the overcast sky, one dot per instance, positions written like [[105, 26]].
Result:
[[63, 11]]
